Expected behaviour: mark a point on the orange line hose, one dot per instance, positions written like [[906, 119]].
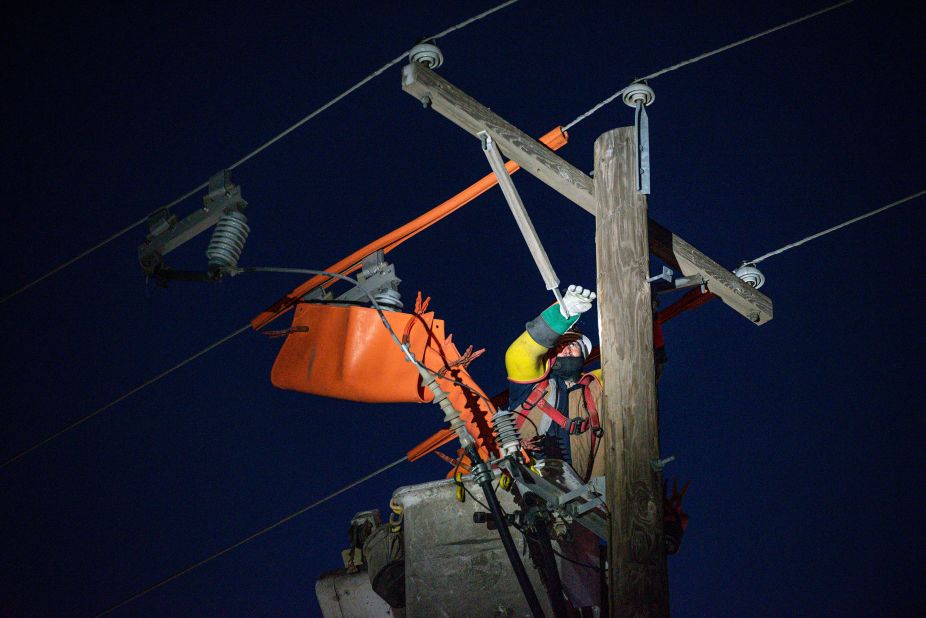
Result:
[[555, 139]]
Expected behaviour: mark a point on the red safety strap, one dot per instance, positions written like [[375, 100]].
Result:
[[536, 399], [595, 422], [572, 426]]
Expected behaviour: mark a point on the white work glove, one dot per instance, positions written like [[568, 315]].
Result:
[[576, 300]]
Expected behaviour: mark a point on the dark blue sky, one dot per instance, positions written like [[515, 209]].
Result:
[[803, 437]]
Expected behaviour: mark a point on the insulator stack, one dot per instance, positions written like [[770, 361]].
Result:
[[508, 438], [228, 240], [389, 299]]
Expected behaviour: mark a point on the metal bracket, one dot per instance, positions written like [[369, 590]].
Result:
[[638, 95], [689, 282], [592, 500], [641, 125], [376, 276], [659, 464], [574, 499], [661, 286], [666, 275], [165, 233]]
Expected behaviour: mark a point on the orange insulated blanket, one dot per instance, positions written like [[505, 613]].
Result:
[[345, 352]]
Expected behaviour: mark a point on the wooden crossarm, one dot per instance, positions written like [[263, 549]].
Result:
[[538, 160]]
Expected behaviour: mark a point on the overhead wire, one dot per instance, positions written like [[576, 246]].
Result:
[[443, 33], [256, 151], [396, 339], [102, 409], [703, 56], [366, 79], [836, 227], [251, 537], [208, 348], [247, 326]]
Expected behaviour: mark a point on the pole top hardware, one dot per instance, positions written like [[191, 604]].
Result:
[[750, 274], [223, 207], [659, 464], [427, 54], [638, 93], [665, 275]]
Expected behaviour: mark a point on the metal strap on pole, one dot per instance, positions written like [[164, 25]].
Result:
[[520, 214]]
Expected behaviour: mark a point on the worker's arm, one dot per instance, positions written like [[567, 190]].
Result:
[[525, 359]]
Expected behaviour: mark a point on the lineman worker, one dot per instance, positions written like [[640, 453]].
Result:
[[544, 367], [547, 386]]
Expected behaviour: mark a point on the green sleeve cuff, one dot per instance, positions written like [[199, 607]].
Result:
[[555, 320]]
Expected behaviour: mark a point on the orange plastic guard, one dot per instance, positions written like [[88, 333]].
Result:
[[347, 353]]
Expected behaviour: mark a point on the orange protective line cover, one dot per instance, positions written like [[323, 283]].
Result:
[[555, 139], [345, 352]]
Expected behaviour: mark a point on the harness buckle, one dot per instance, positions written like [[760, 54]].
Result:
[[577, 425], [598, 431]]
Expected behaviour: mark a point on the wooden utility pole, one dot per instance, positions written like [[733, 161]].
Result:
[[536, 159], [625, 238], [638, 582]]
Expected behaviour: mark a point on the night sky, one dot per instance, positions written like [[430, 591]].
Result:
[[803, 437]]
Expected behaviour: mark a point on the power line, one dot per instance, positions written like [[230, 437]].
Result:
[[698, 58], [335, 100], [369, 77], [190, 359], [302, 122], [836, 227], [251, 537], [86, 418], [256, 151], [317, 502]]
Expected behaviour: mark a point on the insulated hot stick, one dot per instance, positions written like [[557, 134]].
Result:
[[521, 216]]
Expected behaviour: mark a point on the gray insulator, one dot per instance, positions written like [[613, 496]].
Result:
[[228, 239], [427, 54], [751, 275], [638, 93], [506, 431], [389, 299]]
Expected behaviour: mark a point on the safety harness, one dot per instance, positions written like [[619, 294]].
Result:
[[573, 426]]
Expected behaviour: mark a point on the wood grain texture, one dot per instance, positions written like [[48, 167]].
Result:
[[733, 291], [473, 117], [469, 114], [638, 576]]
